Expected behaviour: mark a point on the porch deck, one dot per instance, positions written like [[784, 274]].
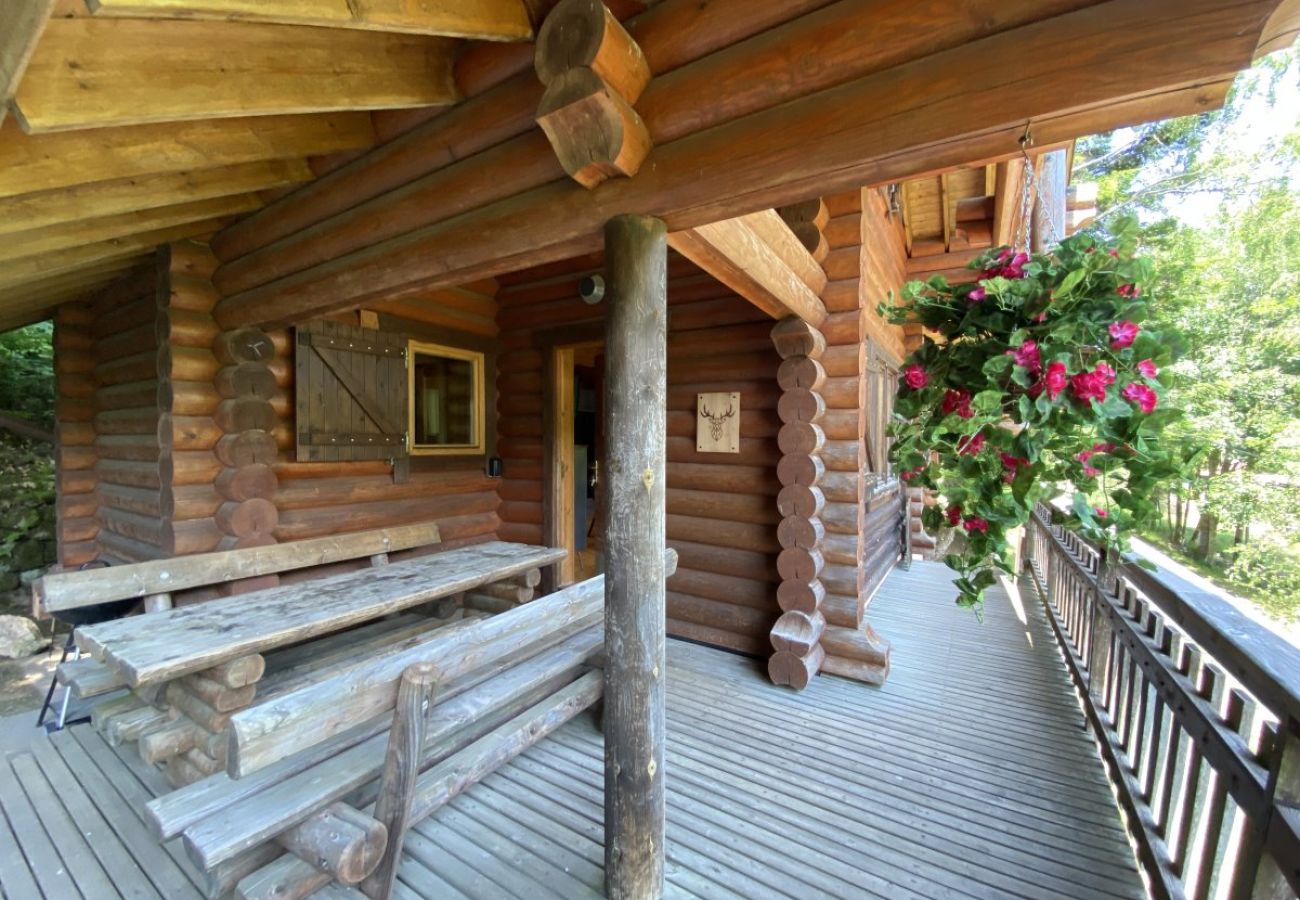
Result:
[[969, 774]]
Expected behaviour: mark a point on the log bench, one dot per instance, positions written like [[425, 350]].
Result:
[[305, 726]]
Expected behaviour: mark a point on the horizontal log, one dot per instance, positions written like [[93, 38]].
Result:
[[842, 611], [798, 564], [339, 841], [741, 535], [804, 596], [800, 372], [730, 507], [748, 564], [798, 531], [804, 471], [801, 405], [298, 524], [797, 632], [793, 670], [844, 456], [800, 500], [719, 614], [843, 518], [739, 590]]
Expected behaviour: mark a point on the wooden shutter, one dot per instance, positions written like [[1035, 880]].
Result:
[[350, 393]]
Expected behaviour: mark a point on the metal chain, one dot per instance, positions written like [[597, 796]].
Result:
[[1027, 192]]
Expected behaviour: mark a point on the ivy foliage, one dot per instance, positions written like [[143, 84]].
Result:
[[1042, 376]]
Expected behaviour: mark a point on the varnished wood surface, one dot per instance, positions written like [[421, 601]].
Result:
[[968, 774]]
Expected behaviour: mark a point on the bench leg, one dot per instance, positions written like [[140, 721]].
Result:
[[401, 769]]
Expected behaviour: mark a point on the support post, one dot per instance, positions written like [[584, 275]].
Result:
[[401, 770], [636, 261]]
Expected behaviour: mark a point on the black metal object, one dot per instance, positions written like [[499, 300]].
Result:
[[74, 618]]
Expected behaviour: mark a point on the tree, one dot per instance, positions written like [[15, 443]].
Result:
[[27, 374]]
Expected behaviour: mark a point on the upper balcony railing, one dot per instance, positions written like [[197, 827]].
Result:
[[1197, 713]]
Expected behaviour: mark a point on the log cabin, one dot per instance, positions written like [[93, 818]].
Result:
[[599, 278]]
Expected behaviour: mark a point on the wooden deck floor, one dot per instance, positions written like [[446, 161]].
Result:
[[968, 774]]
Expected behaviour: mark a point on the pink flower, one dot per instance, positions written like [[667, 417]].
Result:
[[916, 377], [1148, 369], [1115, 253], [1129, 290], [976, 295], [1083, 457], [1101, 513], [1027, 356], [911, 473], [954, 515], [970, 445], [957, 401], [1011, 464], [1092, 385], [1142, 395], [1010, 265], [1122, 334], [1055, 380], [1102, 448], [975, 523]]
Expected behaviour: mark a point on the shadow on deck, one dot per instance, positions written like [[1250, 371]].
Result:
[[969, 774]]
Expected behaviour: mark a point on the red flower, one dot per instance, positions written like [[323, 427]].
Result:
[[976, 295], [1083, 457], [1148, 369], [1055, 380], [975, 523], [1122, 334], [1102, 448], [957, 401], [1101, 513], [1142, 395], [1012, 265], [916, 377], [954, 515], [909, 474], [1115, 253], [970, 445], [1129, 290], [1011, 464], [1092, 385], [1027, 356]]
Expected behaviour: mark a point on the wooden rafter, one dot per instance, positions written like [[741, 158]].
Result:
[[488, 20], [21, 25], [742, 254], [88, 231], [95, 73], [33, 268], [31, 163], [112, 198], [31, 301]]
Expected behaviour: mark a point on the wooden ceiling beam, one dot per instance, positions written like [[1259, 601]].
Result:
[[89, 231], [31, 301], [97, 73], [30, 163], [736, 253], [32, 268], [485, 20], [21, 25], [101, 199], [939, 111]]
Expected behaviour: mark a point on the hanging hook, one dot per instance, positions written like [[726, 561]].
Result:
[[1027, 140]]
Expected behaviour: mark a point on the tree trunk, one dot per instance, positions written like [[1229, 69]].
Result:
[[636, 260]]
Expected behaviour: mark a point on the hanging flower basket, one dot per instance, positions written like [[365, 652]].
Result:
[[1041, 378]]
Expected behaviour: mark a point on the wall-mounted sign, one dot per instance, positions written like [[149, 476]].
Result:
[[717, 423]]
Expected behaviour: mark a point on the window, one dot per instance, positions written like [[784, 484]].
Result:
[[446, 398], [882, 385]]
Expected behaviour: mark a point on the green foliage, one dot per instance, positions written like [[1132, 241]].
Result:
[[27, 373], [26, 504], [1035, 385]]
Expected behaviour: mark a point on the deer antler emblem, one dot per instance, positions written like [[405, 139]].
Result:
[[717, 422]]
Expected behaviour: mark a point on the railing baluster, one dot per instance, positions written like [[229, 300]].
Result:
[[1180, 838], [1216, 803], [1170, 767]]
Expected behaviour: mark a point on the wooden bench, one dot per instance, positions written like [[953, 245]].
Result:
[[305, 726]]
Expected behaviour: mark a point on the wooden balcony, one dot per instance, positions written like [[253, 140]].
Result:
[[970, 773]]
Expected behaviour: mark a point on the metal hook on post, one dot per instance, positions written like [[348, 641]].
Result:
[[1027, 189]]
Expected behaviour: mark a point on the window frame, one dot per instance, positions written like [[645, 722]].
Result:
[[478, 363]]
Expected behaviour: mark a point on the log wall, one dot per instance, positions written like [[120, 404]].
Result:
[[722, 514], [132, 439], [74, 458]]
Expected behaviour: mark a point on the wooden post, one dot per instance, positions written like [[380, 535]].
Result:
[[636, 262], [401, 769]]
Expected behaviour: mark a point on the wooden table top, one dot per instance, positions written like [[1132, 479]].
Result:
[[166, 645]]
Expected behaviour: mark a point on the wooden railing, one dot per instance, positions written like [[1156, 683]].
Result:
[[1196, 710]]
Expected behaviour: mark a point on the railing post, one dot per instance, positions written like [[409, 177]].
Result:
[[1101, 632]]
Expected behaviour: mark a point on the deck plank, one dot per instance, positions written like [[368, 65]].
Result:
[[967, 774]]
